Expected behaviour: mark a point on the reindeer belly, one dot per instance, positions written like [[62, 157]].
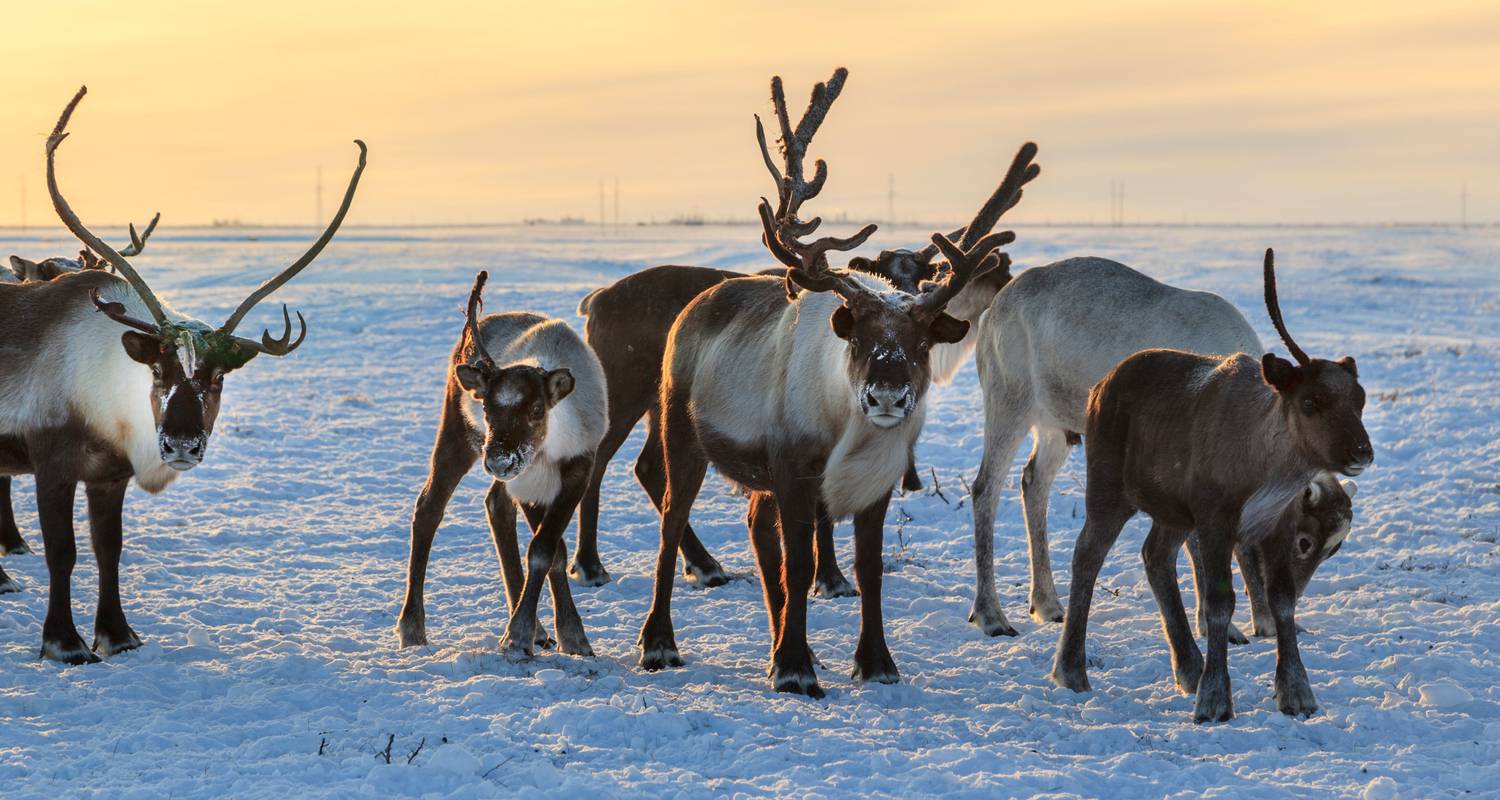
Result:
[[745, 464], [14, 459]]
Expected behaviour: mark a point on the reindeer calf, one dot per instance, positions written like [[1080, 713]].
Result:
[[536, 412], [1222, 447]]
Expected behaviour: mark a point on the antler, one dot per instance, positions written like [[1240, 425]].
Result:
[[963, 264], [116, 312], [792, 189], [471, 320], [1273, 306], [808, 263], [138, 242], [280, 347], [1006, 196], [70, 219]]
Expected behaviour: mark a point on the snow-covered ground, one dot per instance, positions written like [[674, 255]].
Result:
[[267, 581]]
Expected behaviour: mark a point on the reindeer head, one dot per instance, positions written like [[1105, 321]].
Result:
[[888, 333], [1322, 400], [516, 398], [188, 358], [1326, 513]]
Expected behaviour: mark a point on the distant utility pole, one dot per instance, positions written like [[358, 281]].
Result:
[[617, 205], [1116, 203], [1463, 206], [603, 221], [318, 209], [890, 199]]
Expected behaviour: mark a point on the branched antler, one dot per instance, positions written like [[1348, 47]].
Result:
[[963, 265], [138, 242], [792, 188], [808, 263], [1273, 307], [1021, 172], [70, 219]]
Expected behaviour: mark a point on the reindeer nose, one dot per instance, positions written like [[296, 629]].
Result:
[[884, 400], [182, 452], [1362, 453]]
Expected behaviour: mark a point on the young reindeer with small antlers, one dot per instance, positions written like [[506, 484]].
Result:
[[810, 402], [536, 412], [1224, 447], [25, 271], [87, 402]]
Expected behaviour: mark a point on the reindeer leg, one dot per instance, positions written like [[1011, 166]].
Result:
[[1003, 432], [1160, 556], [1215, 698], [587, 569], [1195, 558], [1049, 451], [685, 469], [60, 639], [1107, 513], [571, 638], [6, 584], [765, 542], [1294, 694], [698, 565], [112, 634], [1253, 572], [830, 581], [796, 510], [872, 658], [549, 522], [452, 457], [11, 542], [911, 481]]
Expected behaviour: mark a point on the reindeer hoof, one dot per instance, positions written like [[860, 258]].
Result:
[[411, 630], [1215, 703], [655, 658], [1074, 679], [911, 482], [68, 650], [108, 643], [707, 575], [1236, 636], [835, 585], [879, 668], [1296, 699], [993, 624], [7, 585], [796, 676], [14, 547], [1046, 609], [574, 645], [1188, 675], [516, 647], [588, 574]]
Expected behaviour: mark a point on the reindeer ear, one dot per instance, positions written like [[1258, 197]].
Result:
[[842, 322], [26, 271], [141, 347], [1347, 362], [948, 329], [470, 378], [862, 264], [1282, 375], [559, 385]]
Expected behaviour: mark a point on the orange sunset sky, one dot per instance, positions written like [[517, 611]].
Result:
[[495, 111]]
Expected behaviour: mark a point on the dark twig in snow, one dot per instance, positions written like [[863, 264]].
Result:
[[937, 488], [497, 766], [322, 745], [391, 742], [413, 756]]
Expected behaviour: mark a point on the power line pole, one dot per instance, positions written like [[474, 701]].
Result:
[[890, 198], [617, 205], [603, 221]]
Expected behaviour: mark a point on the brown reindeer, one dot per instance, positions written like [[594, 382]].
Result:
[[810, 403], [1223, 447], [92, 402], [535, 411], [627, 325], [22, 270]]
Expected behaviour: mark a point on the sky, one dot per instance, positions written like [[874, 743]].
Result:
[[497, 111]]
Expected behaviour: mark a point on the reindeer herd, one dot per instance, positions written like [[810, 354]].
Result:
[[804, 385]]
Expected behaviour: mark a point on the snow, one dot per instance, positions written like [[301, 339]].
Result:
[[266, 581]]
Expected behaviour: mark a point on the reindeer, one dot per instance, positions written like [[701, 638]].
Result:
[[627, 325], [1048, 337], [1223, 447], [75, 407], [23, 271], [536, 413], [801, 412]]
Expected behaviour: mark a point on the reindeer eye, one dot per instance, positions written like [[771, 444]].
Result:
[[537, 410], [1309, 405], [1304, 545]]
